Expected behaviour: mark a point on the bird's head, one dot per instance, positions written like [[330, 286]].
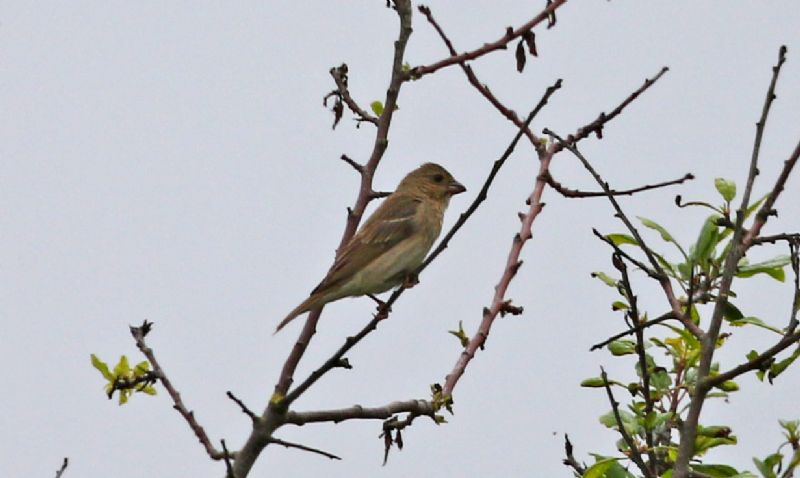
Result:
[[431, 180]]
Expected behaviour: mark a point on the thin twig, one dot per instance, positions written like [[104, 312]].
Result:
[[226, 456], [644, 370], [633, 330], [139, 334], [598, 124], [635, 456], [289, 444], [242, 406], [481, 87], [570, 460], [662, 277], [339, 75], [499, 44], [63, 468], [574, 193]]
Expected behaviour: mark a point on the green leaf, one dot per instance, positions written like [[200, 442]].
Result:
[[608, 280], [622, 347], [619, 239], [122, 367], [706, 242], [377, 107], [619, 305], [731, 312], [657, 227], [716, 471], [628, 419], [728, 386], [460, 334], [661, 380], [764, 469], [705, 443], [102, 367], [777, 368], [755, 321], [599, 469], [726, 188], [594, 382], [773, 268]]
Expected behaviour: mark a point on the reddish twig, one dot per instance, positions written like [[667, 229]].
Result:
[[481, 87], [498, 44], [139, 334], [597, 125], [342, 93]]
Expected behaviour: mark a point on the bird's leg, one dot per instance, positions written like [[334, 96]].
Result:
[[383, 307], [410, 280]]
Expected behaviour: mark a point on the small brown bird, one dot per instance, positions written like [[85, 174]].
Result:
[[391, 244]]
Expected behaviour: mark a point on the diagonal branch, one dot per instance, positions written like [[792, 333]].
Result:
[[289, 444], [635, 456], [662, 277], [499, 44], [139, 334], [481, 87]]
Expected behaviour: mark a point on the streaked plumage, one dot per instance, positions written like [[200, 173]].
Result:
[[392, 243]]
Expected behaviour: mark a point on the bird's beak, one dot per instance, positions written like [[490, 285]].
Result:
[[455, 187]]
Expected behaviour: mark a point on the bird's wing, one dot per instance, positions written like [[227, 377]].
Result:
[[390, 224]]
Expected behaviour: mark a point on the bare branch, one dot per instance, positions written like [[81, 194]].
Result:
[[598, 124], [662, 277], [63, 468], [740, 242], [242, 406], [357, 412], [481, 87], [339, 75], [289, 444], [139, 334], [635, 456], [574, 193], [633, 330], [498, 44], [570, 460]]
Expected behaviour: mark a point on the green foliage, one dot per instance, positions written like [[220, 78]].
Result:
[[126, 379], [462, 337], [658, 400], [377, 107]]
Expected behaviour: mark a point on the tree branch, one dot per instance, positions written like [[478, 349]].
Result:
[[357, 412], [574, 193], [499, 44], [63, 468], [739, 245], [289, 444], [635, 456], [139, 334]]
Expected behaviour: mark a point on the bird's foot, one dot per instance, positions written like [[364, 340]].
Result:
[[383, 308], [410, 280]]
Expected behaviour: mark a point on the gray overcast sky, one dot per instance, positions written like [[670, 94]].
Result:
[[172, 161]]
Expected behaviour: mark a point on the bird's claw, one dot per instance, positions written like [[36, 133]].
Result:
[[410, 280]]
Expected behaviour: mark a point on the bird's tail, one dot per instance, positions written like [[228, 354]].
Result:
[[308, 304]]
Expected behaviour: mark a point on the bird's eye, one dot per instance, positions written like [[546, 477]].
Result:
[[438, 178]]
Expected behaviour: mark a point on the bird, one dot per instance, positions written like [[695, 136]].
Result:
[[391, 245]]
